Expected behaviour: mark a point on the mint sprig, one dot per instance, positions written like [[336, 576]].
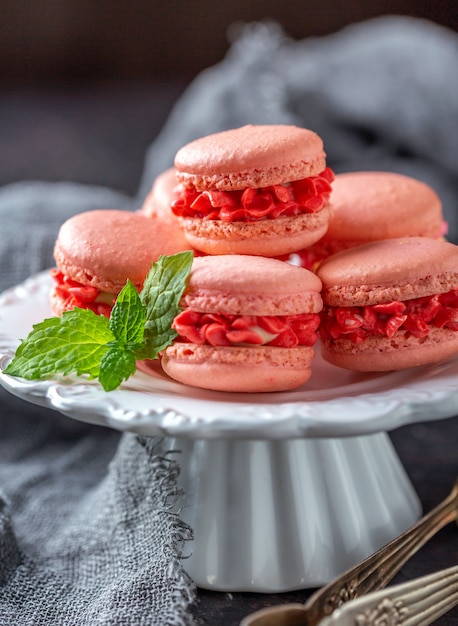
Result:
[[161, 295], [84, 343], [76, 342]]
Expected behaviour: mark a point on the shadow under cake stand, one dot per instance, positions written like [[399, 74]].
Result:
[[283, 490]]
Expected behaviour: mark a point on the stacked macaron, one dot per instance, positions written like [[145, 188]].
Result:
[[157, 205], [97, 251], [248, 324], [257, 190], [369, 206], [163, 193]]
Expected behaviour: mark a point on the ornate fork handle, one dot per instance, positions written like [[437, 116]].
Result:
[[378, 569], [416, 603]]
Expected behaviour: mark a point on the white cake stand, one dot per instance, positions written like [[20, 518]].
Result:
[[284, 490]]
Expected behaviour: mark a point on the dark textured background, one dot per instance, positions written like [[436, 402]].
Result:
[[153, 39], [85, 87]]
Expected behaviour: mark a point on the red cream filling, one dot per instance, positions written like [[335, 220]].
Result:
[[228, 330], [307, 195], [415, 316], [76, 294]]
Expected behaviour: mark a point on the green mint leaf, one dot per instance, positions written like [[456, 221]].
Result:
[[82, 342], [73, 343], [117, 364], [161, 295], [128, 317]]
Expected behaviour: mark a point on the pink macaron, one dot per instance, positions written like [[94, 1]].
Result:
[[162, 194], [97, 251], [157, 204], [369, 206], [391, 304], [256, 190], [248, 324]]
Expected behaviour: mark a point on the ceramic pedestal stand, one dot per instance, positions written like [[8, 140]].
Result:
[[273, 516]]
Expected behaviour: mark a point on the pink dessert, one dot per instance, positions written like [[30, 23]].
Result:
[[248, 324], [97, 251], [390, 304], [257, 190], [369, 206], [157, 205]]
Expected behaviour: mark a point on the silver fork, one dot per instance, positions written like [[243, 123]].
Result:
[[369, 575], [416, 603]]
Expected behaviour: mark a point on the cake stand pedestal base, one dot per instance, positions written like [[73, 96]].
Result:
[[278, 515]]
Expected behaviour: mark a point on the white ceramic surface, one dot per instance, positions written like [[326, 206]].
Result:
[[283, 490], [276, 515]]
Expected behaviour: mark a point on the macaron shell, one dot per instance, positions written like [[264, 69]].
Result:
[[251, 285], [268, 238], [157, 207], [392, 269], [105, 247], [382, 205], [250, 156], [163, 193], [238, 369], [381, 354]]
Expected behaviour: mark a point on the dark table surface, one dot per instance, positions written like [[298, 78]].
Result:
[[99, 135]]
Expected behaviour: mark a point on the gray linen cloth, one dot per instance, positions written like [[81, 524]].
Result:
[[90, 532]]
